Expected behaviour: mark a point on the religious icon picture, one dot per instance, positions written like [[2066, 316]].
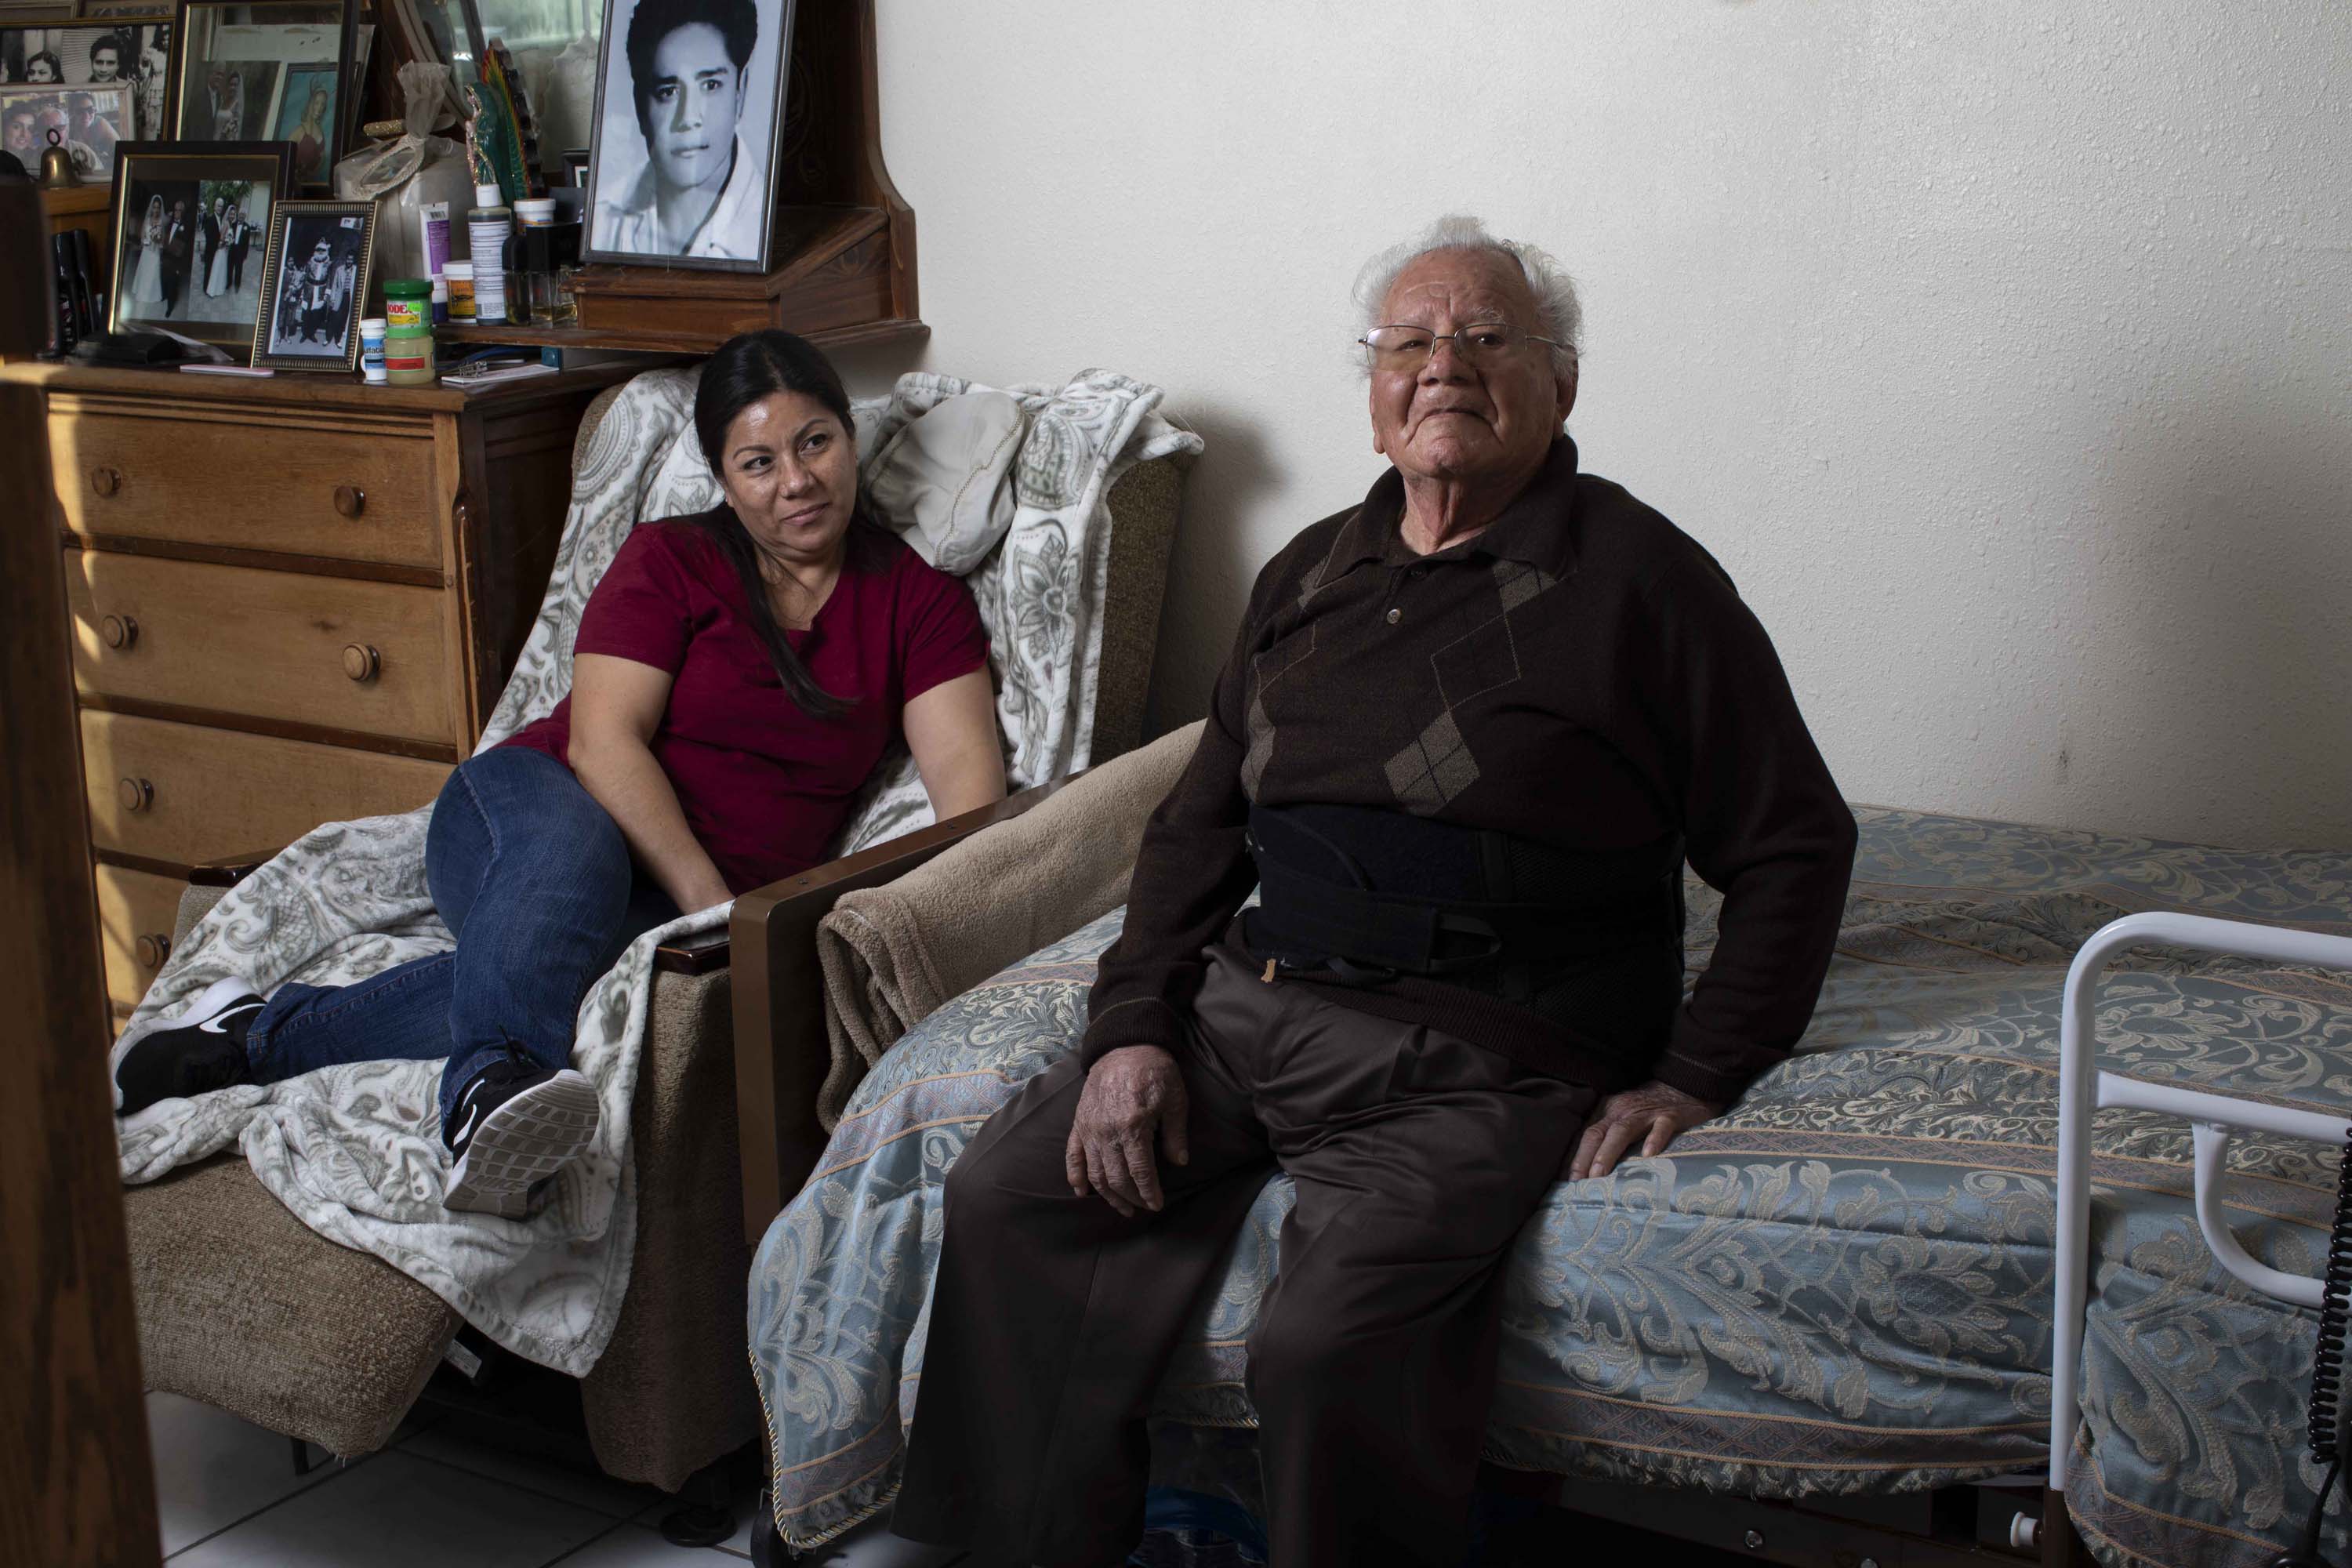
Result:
[[314, 284], [688, 129]]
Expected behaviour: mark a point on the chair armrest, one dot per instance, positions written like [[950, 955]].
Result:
[[782, 1052], [230, 869]]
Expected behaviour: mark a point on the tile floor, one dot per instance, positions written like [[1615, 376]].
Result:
[[445, 1492]]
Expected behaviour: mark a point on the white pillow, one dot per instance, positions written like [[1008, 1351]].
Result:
[[944, 481]]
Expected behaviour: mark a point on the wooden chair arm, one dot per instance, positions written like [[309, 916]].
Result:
[[230, 869], [782, 1053]]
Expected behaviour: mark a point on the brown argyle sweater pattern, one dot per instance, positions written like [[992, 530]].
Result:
[[1581, 673]]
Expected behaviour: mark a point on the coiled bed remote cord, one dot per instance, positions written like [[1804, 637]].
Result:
[[2322, 1420]]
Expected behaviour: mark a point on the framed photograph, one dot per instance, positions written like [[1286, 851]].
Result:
[[575, 167], [88, 121], [191, 224], [689, 119], [136, 48], [246, 70], [314, 285]]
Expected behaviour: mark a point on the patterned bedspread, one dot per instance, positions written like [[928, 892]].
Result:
[[1842, 1284]]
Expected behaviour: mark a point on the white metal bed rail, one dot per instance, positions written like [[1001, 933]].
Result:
[[2081, 1089]]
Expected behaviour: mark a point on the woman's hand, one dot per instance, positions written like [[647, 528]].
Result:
[[1131, 1094], [1652, 1113]]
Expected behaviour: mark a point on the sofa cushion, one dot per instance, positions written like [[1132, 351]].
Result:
[[245, 1307]]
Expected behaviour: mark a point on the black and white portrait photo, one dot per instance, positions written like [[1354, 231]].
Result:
[[316, 282], [689, 112]]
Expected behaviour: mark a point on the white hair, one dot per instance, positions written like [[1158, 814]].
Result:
[[1558, 310]]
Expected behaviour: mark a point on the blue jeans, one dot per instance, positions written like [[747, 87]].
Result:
[[535, 881]]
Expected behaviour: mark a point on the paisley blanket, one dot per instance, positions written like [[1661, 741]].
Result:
[[355, 1151], [1841, 1286]]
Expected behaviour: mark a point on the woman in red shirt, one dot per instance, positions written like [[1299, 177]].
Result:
[[736, 678]]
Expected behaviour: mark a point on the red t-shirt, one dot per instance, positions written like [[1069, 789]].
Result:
[[764, 784]]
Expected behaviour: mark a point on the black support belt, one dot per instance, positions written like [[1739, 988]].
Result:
[[1319, 906]]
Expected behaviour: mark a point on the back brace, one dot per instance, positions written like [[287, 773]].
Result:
[[1363, 896]]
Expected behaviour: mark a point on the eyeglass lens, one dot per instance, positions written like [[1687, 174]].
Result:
[[1477, 342]]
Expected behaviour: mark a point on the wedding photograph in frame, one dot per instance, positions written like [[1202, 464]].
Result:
[[190, 221], [249, 69], [132, 43], [688, 128], [314, 286]]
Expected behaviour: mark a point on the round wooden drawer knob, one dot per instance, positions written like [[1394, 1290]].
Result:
[[362, 662], [349, 500], [136, 794], [106, 481], [120, 631], [155, 950]]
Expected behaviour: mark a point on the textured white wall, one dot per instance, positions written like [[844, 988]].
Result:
[[1998, 350]]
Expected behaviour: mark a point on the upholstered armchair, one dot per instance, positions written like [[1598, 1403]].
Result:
[[244, 1308]]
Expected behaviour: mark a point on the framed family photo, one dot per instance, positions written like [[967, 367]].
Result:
[[88, 121], [134, 48], [689, 119], [191, 224], [314, 285], [260, 70]]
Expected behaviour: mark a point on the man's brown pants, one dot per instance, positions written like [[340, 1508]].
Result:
[[1417, 1157]]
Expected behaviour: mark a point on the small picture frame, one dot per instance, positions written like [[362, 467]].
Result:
[[314, 286], [575, 167], [133, 44], [89, 120], [689, 125], [249, 67], [191, 222]]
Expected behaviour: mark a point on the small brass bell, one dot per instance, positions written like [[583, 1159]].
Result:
[[57, 165]]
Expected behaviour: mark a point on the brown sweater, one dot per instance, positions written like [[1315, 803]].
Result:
[[1581, 673]]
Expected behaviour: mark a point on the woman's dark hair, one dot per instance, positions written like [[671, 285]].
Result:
[[57, 66], [746, 369], [738, 22]]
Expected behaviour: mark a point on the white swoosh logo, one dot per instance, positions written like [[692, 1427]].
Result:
[[212, 1026], [473, 1114]]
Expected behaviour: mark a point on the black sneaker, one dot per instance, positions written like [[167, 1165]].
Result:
[[203, 1050], [514, 1125]]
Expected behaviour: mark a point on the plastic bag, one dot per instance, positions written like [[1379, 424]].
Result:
[[420, 183]]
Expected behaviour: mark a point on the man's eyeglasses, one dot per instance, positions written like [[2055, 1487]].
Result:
[[1479, 343]]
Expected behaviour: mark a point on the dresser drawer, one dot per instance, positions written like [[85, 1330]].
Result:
[[355, 495], [136, 912], [181, 793], [332, 651]]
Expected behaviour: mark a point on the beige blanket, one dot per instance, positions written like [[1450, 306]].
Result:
[[892, 955]]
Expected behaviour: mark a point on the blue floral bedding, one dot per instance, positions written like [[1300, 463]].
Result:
[[1841, 1286]]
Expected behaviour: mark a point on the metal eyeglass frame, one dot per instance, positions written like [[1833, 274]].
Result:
[[1462, 351]]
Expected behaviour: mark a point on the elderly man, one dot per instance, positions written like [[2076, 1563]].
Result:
[[1470, 729]]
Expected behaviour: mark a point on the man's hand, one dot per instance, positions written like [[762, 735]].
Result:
[[1130, 1094], [1652, 1113]]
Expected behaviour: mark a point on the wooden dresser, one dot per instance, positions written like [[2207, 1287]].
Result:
[[293, 601]]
